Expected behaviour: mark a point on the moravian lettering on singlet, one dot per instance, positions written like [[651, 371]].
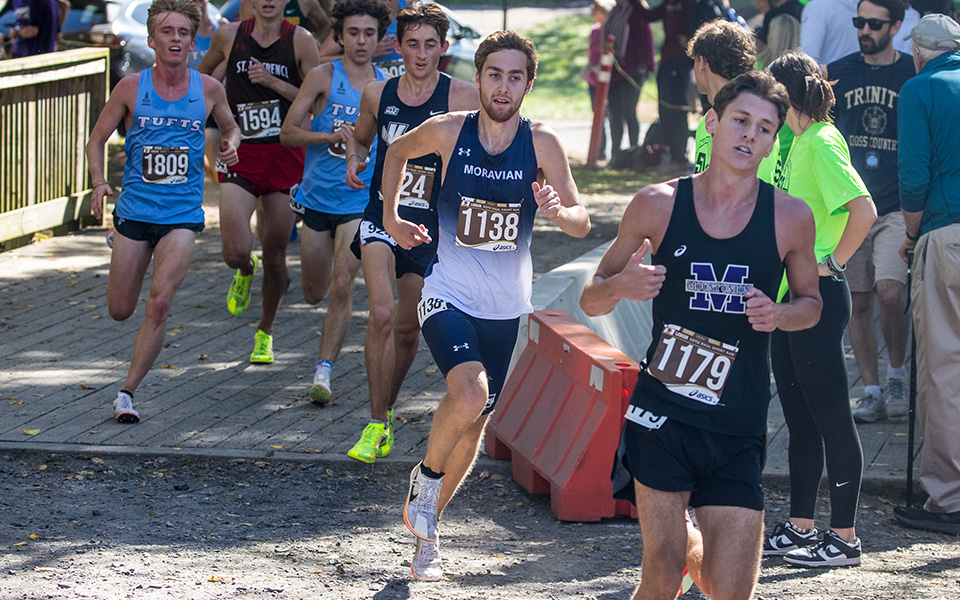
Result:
[[491, 174], [163, 175], [706, 366]]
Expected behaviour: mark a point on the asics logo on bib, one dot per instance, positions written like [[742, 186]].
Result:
[[337, 108], [152, 122], [392, 131], [725, 295]]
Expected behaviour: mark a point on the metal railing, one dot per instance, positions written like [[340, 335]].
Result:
[[48, 106]]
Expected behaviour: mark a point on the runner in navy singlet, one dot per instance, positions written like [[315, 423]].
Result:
[[387, 110], [266, 59], [498, 170], [695, 432], [331, 210], [159, 211]]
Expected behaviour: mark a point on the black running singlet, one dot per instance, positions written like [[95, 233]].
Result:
[[706, 366], [421, 181], [259, 110]]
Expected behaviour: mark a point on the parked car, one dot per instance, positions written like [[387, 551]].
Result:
[[458, 61], [121, 26]]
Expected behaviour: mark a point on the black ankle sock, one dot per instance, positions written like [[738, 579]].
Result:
[[427, 472], [127, 393]]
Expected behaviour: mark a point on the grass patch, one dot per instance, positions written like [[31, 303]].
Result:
[[614, 182]]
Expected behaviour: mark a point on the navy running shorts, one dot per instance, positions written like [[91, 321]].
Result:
[[322, 221], [454, 337], [415, 260], [141, 231], [718, 470]]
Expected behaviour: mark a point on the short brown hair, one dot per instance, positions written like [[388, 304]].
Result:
[[806, 83], [417, 14], [728, 48], [185, 7], [350, 8], [507, 40], [759, 83]]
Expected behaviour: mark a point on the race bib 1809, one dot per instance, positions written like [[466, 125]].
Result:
[[166, 166], [691, 364], [485, 225]]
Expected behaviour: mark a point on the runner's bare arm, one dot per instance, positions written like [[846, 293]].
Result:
[[436, 135], [219, 50], [116, 109], [229, 131], [314, 13], [312, 96], [795, 236], [358, 145], [863, 212], [621, 272], [463, 96], [306, 50], [558, 199]]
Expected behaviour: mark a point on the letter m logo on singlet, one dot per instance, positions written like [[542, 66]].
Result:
[[392, 131], [725, 295]]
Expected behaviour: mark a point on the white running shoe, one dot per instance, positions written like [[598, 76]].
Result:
[[123, 409], [320, 390], [426, 564], [420, 509]]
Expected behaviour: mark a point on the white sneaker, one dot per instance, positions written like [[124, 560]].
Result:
[[896, 397], [420, 509], [320, 390], [426, 564], [123, 409]]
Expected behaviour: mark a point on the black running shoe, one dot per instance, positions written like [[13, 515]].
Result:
[[785, 538], [830, 552]]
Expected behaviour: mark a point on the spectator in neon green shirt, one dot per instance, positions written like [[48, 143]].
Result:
[[809, 366], [721, 50]]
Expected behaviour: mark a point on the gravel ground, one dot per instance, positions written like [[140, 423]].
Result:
[[125, 526]]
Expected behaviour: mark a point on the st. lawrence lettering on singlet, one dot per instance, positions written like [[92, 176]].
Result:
[[486, 210], [259, 110], [706, 366]]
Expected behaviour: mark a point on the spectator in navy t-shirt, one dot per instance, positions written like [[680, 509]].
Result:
[[36, 29]]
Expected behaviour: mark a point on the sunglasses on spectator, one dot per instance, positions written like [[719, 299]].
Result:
[[875, 24]]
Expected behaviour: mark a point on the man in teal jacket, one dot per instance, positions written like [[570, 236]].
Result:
[[929, 161]]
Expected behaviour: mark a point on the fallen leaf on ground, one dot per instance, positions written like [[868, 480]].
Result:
[[86, 387], [30, 431]]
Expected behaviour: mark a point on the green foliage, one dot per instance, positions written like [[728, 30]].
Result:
[[559, 92]]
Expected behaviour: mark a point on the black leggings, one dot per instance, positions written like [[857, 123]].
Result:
[[622, 111], [811, 374]]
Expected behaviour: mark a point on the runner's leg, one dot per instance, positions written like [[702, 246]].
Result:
[[275, 236], [379, 352], [732, 539], [340, 305], [663, 528], [171, 259], [128, 265], [316, 264], [406, 333], [236, 207]]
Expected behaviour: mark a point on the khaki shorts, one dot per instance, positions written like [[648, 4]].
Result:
[[879, 255]]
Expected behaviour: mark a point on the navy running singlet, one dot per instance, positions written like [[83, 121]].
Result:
[[706, 366], [486, 210], [421, 180]]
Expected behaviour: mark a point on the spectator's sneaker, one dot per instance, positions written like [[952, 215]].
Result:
[[896, 397], [831, 551], [870, 408], [420, 509], [426, 564], [387, 445], [918, 518], [123, 409], [785, 538], [238, 297], [262, 348], [371, 441], [320, 390]]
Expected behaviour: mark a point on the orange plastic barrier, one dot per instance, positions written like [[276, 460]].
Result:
[[560, 414]]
